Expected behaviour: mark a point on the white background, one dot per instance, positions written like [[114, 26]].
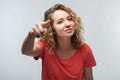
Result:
[[101, 20]]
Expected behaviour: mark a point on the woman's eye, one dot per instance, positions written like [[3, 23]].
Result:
[[70, 19], [59, 22]]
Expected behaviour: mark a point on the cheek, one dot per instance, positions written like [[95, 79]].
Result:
[[59, 31], [58, 28], [73, 24]]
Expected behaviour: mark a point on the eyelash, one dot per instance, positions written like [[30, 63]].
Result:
[[60, 22], [70, 19]]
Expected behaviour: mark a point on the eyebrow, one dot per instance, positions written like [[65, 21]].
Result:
[[63, 18]]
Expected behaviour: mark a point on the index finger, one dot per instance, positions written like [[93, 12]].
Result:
[[45, 24]]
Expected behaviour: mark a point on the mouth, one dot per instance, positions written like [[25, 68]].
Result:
[[69, 30]]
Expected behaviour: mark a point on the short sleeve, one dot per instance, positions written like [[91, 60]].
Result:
[[89, 59], [42, 45]]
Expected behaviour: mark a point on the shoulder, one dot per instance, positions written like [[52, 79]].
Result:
[[85, 50], [85, 46], [40, 43], [42, 48]]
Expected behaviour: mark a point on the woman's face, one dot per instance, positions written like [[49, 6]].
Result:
[[63, 24]]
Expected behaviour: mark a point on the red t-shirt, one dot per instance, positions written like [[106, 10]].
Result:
[[55, 68]]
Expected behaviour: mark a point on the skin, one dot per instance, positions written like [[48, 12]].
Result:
[[64, 28]]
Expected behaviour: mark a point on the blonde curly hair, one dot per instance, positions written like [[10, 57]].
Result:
[[50, 38]]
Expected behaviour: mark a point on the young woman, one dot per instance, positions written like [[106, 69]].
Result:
[[64, 54]]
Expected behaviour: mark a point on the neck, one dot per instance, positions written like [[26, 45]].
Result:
[[64, 44]]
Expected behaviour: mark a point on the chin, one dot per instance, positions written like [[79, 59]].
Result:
[[69, 35]]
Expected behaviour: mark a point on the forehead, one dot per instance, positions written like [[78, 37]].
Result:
[[58, 14]]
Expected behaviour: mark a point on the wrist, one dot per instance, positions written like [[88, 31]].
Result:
[[31, 34]]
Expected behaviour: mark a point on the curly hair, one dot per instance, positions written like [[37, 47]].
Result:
[[50, 38]]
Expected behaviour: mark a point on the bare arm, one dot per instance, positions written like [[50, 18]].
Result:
[[88, 74], [29, 47]]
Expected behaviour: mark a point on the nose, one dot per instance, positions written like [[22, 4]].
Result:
[[67, 24]]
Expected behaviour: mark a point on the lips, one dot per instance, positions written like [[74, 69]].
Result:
[[68, 30]]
